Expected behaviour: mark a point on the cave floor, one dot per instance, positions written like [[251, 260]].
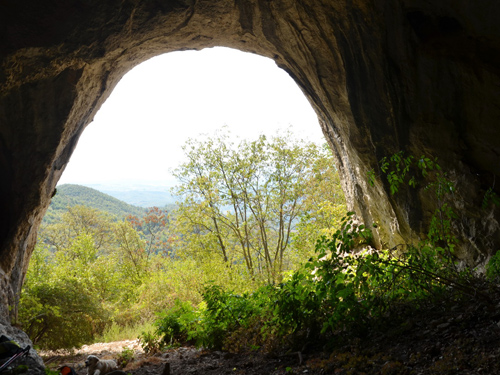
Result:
[[458, 337]]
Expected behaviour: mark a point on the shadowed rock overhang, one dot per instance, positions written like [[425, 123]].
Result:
[[383, 76]]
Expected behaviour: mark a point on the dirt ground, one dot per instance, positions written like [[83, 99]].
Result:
[[184, 360], [458, 338]]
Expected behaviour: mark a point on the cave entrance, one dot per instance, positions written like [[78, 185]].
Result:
[[136, 136], [159, 103], [372, 79]]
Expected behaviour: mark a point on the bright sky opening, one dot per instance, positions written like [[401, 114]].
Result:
[[137, 135]]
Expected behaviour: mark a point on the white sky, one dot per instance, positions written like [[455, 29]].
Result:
[[137, 135]]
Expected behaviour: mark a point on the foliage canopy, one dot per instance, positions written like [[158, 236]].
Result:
[[243, 202]]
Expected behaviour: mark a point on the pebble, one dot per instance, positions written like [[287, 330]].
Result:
[[443, 326]]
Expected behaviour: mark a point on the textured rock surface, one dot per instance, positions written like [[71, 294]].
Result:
[[32, 360], [382, 75]]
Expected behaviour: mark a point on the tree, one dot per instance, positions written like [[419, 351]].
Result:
[[324, 202], [65, 296], [243, 201], [153, 227], [71, 285], [75, 221], [133, 260], [88, 271], [140, 239]]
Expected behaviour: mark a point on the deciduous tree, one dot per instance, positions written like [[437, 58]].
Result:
[[242, 201]]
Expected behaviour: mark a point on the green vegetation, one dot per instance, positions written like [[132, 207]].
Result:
[[89, 272], [118, 332], [242, 223], [343, 288], [69, 195], [240, 204], [257, 256]]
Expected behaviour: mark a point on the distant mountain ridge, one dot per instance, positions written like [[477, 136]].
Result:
[[143, 197], [69, 195]]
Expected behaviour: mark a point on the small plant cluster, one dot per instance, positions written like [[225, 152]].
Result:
[[125, 357], [219, 314]]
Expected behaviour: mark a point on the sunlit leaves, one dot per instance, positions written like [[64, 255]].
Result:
[[242, 201], [85, 270]]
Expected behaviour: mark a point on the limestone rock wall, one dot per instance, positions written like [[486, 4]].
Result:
[[382, 75]]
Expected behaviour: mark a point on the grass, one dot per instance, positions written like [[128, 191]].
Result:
[[117, 332]]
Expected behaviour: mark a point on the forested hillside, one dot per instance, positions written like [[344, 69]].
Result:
[[69, 195]]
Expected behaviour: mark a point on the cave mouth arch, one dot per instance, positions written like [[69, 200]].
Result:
[[136, 136], [378, 81]]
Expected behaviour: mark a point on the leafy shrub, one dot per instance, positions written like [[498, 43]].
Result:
[[250, 337], [294, 305], [341, 275], [61, 315], [224, 313], [125, 357], [151, 343], [493, 266], [340, 288], [220, 314], [174, 325]]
